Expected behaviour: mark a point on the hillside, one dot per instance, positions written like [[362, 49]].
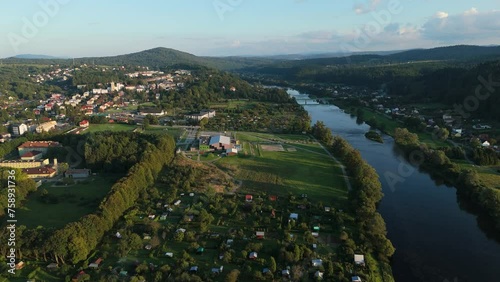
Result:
[[165, 57], [154, 58]]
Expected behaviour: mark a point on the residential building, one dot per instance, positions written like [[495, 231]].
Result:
[[152, 111], [24, 163], [19, 129], [84, 123], [42, 146], [46, 126], [40, 172], [203, 114], [32, 156]]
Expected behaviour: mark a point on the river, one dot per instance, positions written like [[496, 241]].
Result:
[[436, 239]]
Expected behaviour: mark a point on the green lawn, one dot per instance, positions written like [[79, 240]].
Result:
[[110, 127], [73, 202], [208, 157], [175, 132], [313, 173]]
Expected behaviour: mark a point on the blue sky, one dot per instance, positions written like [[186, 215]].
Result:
[[77, 28]]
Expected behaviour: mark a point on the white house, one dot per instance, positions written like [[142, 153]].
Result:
[[359, 259]]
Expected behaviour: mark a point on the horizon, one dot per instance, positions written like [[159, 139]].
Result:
[[312, 53], [217, 28]]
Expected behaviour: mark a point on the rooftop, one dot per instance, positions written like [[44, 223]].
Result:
[[39, 144]]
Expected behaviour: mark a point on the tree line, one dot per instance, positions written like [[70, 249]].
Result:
[[76, 240], [467, 182], [365, 194]]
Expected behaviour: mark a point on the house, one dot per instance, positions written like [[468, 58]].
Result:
[[248, 198], [485, 144], [152, 111], [318, 274], [170, 255], [42, 146], [317, 262], [231, 151], [46, 126], [359, 260], [52, 265], [294, 216], [178, 202], [118, 235], [356, 279], [229, 242], [193, 269], [20, 265], [19, 129], [148, 247], [252, 255], [32, 156], [273, 198], [316, 228], [96, 263], [77, 277], [315, 234], [200, 250], [260, 234], [217, 270], [266, 271], [77, 173], [285, 273], [327, 209], [220, 142], [84, 123], [40, 172], [203, 114]]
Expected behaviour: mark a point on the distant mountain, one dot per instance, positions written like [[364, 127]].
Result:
[[458, 52], [306, 56], [34, 56], [164, 57]]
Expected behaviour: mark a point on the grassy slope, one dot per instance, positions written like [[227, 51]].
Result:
[[74, 202]]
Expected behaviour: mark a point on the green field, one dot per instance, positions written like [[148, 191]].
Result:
[[488, 174], [74, 202], [110, 127], [308, 170], [175, 132]]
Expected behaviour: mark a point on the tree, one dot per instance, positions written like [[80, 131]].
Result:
[[203, 122], [233, 276], [272, 264]]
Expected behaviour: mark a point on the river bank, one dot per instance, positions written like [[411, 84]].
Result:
[[435, 234]]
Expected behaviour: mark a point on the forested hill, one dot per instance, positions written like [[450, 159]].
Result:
[[450, 54], [165, 57], [154, 58]]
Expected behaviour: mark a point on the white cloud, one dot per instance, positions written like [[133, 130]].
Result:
[[441, 15], [367, 7], [471, 11], [470, 26]]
